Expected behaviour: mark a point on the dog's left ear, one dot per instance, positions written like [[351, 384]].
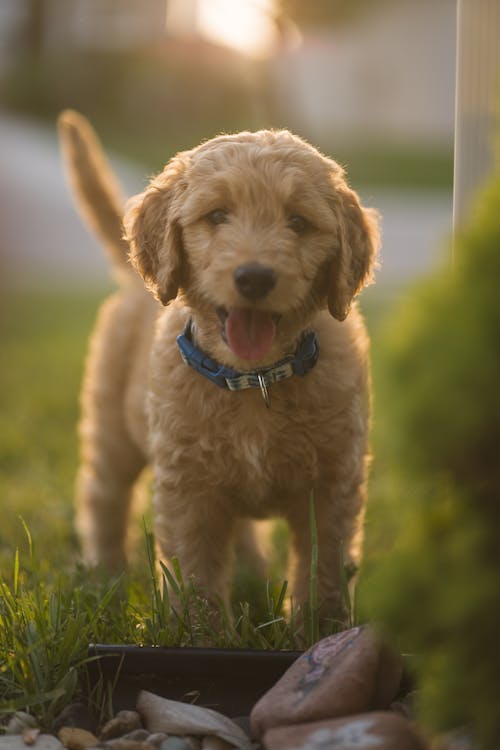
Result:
[[358, 245], [153, 232]]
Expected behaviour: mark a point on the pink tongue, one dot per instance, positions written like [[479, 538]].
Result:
[[249, 333]]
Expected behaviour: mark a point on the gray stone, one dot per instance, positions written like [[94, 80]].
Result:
[[43, 742], [181, 719], [176, 743], [19, 722]]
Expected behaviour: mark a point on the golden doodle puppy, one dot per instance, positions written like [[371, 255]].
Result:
[[232, 361]]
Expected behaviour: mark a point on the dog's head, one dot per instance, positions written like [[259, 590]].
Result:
[[258, 229]]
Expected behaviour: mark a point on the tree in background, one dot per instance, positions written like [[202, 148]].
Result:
[[438, 591]]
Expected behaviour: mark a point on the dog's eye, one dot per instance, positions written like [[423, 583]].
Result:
[[218, 216], [298, 224]]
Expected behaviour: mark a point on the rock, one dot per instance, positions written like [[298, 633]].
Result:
[[75, 738], [378, 729], [43, 742], [123, 723], [75, 715], [157, 738], [344, 674], [163, 715], [243, 722], [19, 722], [138, 735]]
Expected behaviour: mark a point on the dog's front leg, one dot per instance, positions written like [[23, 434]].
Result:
[[193, 525]]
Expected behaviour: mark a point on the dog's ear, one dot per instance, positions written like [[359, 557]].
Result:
[[357, 248], [153, 231]]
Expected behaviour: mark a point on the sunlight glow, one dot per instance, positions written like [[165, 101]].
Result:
[[244, 25]]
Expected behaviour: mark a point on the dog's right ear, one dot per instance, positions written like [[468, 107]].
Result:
[[153, 232]]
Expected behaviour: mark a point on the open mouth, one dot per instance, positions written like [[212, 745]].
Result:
[[247, 331]]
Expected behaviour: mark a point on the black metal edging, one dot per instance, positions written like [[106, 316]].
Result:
[[228, 680]]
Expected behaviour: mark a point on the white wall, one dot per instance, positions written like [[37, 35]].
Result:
[[391, 75]]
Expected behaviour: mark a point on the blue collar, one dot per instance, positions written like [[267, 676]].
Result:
[[300, 363]]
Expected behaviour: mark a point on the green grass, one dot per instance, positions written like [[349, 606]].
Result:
[[51, 608]]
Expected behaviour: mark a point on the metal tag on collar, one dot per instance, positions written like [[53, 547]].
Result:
[[263, 389]]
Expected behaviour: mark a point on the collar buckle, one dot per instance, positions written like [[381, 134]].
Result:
[[263, 389]]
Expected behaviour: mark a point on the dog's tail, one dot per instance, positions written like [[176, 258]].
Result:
[[96, 190]]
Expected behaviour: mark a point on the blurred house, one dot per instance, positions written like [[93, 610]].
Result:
[[390, 75], [51, 25], [105, 24]]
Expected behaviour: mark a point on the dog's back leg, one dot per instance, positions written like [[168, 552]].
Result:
[[110, 461]]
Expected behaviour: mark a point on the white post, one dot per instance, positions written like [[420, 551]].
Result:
[[477, 102]]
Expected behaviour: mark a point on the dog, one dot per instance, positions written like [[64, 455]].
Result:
[[232, 359]]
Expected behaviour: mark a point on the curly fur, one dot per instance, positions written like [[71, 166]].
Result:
[[219, 456]]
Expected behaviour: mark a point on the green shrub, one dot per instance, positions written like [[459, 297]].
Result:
[[438, 589]]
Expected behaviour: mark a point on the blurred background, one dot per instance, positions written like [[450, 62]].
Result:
[[371, 84]]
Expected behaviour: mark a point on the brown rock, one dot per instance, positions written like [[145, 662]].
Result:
[[76, 739], [138, 735], [368, 731], [123, 723], [343, 674]]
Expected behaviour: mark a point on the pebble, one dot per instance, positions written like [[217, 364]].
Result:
[[43, 742], [75, 715], [19, 722], [75, 738], [378, 729], [123, 723], [137, 735], [30, 735], [343, 674]]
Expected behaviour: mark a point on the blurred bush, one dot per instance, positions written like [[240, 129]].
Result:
[[438, 589]]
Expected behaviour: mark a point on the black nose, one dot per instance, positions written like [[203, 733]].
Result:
[[254, 281]]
